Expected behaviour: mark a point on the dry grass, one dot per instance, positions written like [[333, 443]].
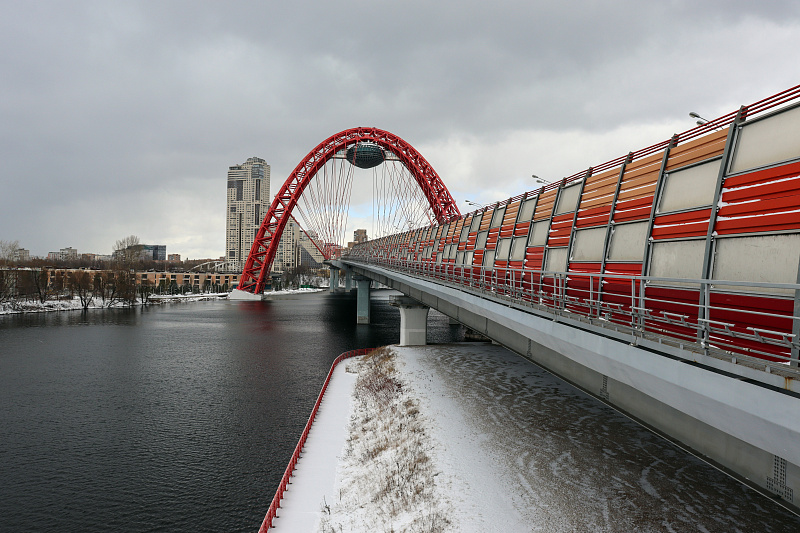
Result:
[[388, 481]]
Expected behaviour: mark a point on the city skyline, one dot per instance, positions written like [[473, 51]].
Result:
[[121, 118]]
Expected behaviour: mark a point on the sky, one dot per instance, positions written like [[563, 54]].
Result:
[[122, 118]]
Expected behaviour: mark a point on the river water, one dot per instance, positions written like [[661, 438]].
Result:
[[176, 417], [182, 417]]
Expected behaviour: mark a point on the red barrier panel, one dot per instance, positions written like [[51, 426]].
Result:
[[276, 500]]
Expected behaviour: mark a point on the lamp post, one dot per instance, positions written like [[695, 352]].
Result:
[[537, 179], [700, 120], [476, 204]]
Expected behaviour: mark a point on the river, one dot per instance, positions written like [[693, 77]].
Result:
[[175, 417], [182, 417]]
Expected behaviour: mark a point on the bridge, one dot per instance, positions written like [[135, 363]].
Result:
[[665, 282]]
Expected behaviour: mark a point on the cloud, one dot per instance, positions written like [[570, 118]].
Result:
[[123, 117]]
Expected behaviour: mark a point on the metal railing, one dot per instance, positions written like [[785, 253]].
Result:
[[666, 310], [276, 500]]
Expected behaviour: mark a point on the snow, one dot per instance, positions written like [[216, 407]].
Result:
[[505, 447], [313, 480], [74, 304]]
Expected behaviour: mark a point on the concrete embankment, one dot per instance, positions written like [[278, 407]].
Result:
[[507, 447]]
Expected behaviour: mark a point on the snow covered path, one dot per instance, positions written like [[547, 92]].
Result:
[[315, 473]]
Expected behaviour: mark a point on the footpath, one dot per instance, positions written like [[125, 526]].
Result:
[[505, 446]]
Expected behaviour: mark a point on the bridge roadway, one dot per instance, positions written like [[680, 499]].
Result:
[[738, 415]]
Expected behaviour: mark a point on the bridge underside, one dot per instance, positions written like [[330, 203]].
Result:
[[739, 418]]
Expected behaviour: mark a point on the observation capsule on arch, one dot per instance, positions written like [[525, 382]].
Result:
[[365, 155]]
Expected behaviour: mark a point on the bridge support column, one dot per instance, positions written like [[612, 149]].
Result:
[[413, 321], [348, 280], [334, 283], [362, 313]]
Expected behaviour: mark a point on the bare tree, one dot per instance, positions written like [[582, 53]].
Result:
[[34, 282], [128, 252], [81, 283], [145, 290], [100, 285], [8, 250], [7, 278]]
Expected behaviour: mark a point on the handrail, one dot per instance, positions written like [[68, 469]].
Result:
[[585, 296], [276, 500]]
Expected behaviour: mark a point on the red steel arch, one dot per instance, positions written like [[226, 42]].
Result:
[[265, 245]]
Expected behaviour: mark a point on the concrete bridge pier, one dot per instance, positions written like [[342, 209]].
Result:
[[334, 283], [362, 312], [348, 280], [413, 321]]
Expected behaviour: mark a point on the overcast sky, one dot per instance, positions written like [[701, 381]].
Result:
[[122, 118]]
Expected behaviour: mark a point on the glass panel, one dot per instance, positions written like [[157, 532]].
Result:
[[556, 260], [497, 217], [678, 259], [464, 233], [476, 222], [480, 242], [468, 258], [689, 188], [503, 249], [538, 233], [628, 242], [589, 244], [488, 259], [762, 258], [768, 141], [460, 258], [568, 199], [518, 248], [526, 211]]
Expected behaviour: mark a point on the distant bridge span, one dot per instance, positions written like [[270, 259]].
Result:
[[265, 244]]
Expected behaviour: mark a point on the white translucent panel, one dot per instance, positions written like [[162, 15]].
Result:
[[538, 233], [460, 258], [518, 247], [497, 217], [503, 249], [476, 223], [692, 187], [763, 258], [480, 242], [678, 259], [768, 141], [568, 199], [488, 259], [526, 211], [468, 258], [556, 260], [628, 242], [589, 244], [464, 234]]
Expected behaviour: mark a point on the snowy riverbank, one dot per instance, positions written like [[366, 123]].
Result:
[[471, 437], [74, 304]]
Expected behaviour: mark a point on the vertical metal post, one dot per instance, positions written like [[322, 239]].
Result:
[[609, 226], [575, 219], [546, 249], [656, 197], [709, 248]]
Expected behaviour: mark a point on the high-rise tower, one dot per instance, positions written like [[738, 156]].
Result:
[[248, 202]]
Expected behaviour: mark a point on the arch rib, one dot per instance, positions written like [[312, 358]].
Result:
[[265, 244]]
